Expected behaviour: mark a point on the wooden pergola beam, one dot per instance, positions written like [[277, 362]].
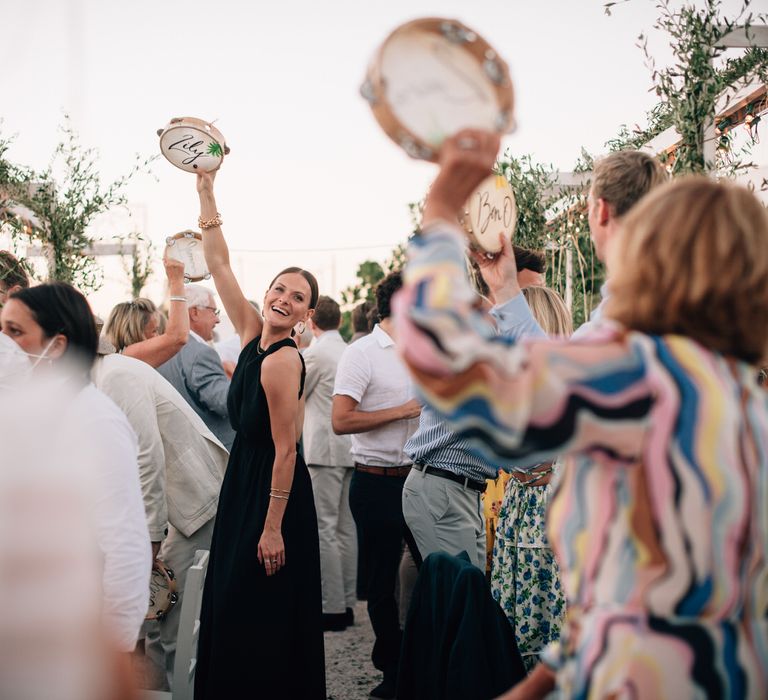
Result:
[[98, 249], [744, 38]]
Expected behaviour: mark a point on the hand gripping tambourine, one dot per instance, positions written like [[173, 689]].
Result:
[[489, 211], [433, 77], [192, 144], [187, 247], [162, 591]]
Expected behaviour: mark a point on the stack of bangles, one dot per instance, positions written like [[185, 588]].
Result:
[[209, 223], [275, 493]]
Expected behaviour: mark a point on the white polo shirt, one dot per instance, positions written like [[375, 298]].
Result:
[[371, 372]]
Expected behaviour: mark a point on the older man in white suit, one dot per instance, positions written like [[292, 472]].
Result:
[[331, 467], [181, 467]]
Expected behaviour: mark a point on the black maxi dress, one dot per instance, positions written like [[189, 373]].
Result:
[[260, 636]]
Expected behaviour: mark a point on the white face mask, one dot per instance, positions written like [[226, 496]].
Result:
[[39, 358]]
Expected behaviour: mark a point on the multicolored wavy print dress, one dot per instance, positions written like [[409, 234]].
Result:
[[660, 518]]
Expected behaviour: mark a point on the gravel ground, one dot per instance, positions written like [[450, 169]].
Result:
[[349, 673]]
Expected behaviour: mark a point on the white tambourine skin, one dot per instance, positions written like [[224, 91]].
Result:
[[489, 211], [435, 88], [191, 149], [187, 247], [433, 77]]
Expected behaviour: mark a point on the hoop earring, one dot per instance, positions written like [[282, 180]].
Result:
[[300, 327]]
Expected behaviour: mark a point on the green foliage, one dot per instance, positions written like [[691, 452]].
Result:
[[369, 274], [659, 119], [689, 89], [66, 197], [139, 266], [533, 185]]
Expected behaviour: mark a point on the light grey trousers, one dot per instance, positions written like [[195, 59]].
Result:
[[177, 552], [338, 536], [444, 516]]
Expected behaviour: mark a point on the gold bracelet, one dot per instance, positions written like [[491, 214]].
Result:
[[210, 223], [274, 495], [279, 490], [178, 299]]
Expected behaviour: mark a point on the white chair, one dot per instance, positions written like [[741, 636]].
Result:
[[185, 663]]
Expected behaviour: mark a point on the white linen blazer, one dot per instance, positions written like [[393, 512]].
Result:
[[181, 462]]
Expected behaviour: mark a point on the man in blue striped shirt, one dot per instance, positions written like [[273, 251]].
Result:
[[441, 496]]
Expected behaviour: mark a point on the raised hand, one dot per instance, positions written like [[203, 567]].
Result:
[[205, 181], [465, 160], [174, 270], [499, 271]]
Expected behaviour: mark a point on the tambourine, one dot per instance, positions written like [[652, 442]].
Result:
[[433, 77], [162, 591], [192, 144], [489, 211], [187, 247]]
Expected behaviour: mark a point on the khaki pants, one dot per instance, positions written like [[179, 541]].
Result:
[[444, 516], [338, 537]]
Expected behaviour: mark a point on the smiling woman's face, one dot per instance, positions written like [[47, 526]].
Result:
[[287, 301]]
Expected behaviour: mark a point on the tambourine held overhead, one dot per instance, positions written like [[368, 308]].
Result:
[[192, 144], [490, 211], [433, 77], [187, 247]]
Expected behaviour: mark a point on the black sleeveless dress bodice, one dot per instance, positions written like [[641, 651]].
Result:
[[260, 636]]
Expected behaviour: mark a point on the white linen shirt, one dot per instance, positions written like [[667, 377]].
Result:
[[371, 372]]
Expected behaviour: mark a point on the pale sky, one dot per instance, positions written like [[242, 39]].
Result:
[[310, 168]]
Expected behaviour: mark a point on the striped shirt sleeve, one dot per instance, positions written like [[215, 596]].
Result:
[[530, 401]]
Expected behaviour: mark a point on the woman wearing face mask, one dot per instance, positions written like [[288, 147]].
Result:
[[136, 328], [263, 581], [53, 325]]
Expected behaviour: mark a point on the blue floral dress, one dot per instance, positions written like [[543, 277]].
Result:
[[525, 578]]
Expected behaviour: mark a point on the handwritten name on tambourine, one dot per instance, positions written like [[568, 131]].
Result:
[[192, 144], [491, 210]]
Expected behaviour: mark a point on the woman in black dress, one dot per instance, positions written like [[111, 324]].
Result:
[[261, 620]]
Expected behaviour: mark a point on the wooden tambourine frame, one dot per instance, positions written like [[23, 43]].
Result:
[[489, 211], [495, 70], [162, 592], [192, 144], [187, 247]]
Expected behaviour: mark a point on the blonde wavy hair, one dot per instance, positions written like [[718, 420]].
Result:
[[549, 310], [692, 260], [128, 321]]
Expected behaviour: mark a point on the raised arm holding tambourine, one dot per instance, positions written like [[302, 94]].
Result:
[[246, 320]]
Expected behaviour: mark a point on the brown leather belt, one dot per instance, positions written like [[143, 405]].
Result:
[[384, 471], [540, 476]]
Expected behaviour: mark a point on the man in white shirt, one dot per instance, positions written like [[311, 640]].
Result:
[[374, 401], [181, 467], [196, 371], [330, 463]]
